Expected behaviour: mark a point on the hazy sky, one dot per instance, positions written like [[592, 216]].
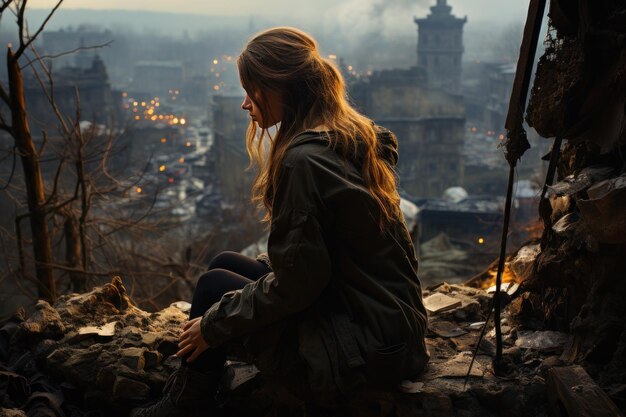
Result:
[[478, 10]]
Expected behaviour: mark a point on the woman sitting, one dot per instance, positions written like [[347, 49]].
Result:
[[338, 307]]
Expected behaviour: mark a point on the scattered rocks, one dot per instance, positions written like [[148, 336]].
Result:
[[542, 340], [106, 354], [446, 329], [127, 388], [8, 412], [133, 358], [45, 323]]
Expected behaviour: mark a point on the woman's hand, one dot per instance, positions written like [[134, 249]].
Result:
[[191, 341]]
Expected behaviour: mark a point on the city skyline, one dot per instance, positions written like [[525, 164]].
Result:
[[478, 10]]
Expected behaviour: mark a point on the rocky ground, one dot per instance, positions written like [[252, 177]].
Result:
[[97, 354]]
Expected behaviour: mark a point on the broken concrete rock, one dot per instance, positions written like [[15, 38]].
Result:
[[541, 340], [573, 184], [152, 358], [604, 212], [112, 367], [76, 365], [113, 353], [11, 412], [133, 358], [445, 328], [94, 307], [523, 263], [127, 388], [45, 323]]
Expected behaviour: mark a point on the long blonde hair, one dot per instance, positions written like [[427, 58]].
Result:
[[287, 61]]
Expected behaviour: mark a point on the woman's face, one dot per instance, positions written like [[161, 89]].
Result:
[[272, 104]]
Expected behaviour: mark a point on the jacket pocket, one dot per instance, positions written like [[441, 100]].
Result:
[[387, 365]]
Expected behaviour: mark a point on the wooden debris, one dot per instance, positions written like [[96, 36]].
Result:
[[108, 330], [445, 329], [572, 390], [455, 367], [508, 287], [438, 302]]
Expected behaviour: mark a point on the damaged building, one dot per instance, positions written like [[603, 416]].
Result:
[[99, 103], [423, 106], [229, 147]]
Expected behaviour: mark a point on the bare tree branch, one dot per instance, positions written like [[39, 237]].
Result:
[[80, 48], [24, 45], [4, 5], [4, 125], [82, 180], [50, 95], [8, 182], [44, 142], [20, 249], [21, 8], [53, 193], [6, 128], [4, 95]]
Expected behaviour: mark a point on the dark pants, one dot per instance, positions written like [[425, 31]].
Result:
[[228, 271]]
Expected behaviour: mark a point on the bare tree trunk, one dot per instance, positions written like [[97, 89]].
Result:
[[84, 187], [73, 252], [42, 247]]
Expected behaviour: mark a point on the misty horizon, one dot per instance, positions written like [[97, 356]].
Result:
[[349, 30], [478, 10]]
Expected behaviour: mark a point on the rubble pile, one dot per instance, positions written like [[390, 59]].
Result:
[[440, 260], [579, 95], [96, 354], [89, 354]]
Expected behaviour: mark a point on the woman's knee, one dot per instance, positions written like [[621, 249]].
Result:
[[219, 281], [223, 260], [204, 280], [211, 279]]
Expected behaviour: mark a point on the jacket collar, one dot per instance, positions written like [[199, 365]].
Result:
[[309, 136], [388, 149]]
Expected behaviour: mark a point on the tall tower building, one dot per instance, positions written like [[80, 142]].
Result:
[[440, 47]]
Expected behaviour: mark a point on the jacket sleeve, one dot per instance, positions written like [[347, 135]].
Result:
[[299, 258]]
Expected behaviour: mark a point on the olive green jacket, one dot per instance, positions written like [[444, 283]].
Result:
[[343, 301]]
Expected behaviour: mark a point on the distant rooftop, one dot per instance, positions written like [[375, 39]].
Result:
[[167, 64], [475, 204]]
